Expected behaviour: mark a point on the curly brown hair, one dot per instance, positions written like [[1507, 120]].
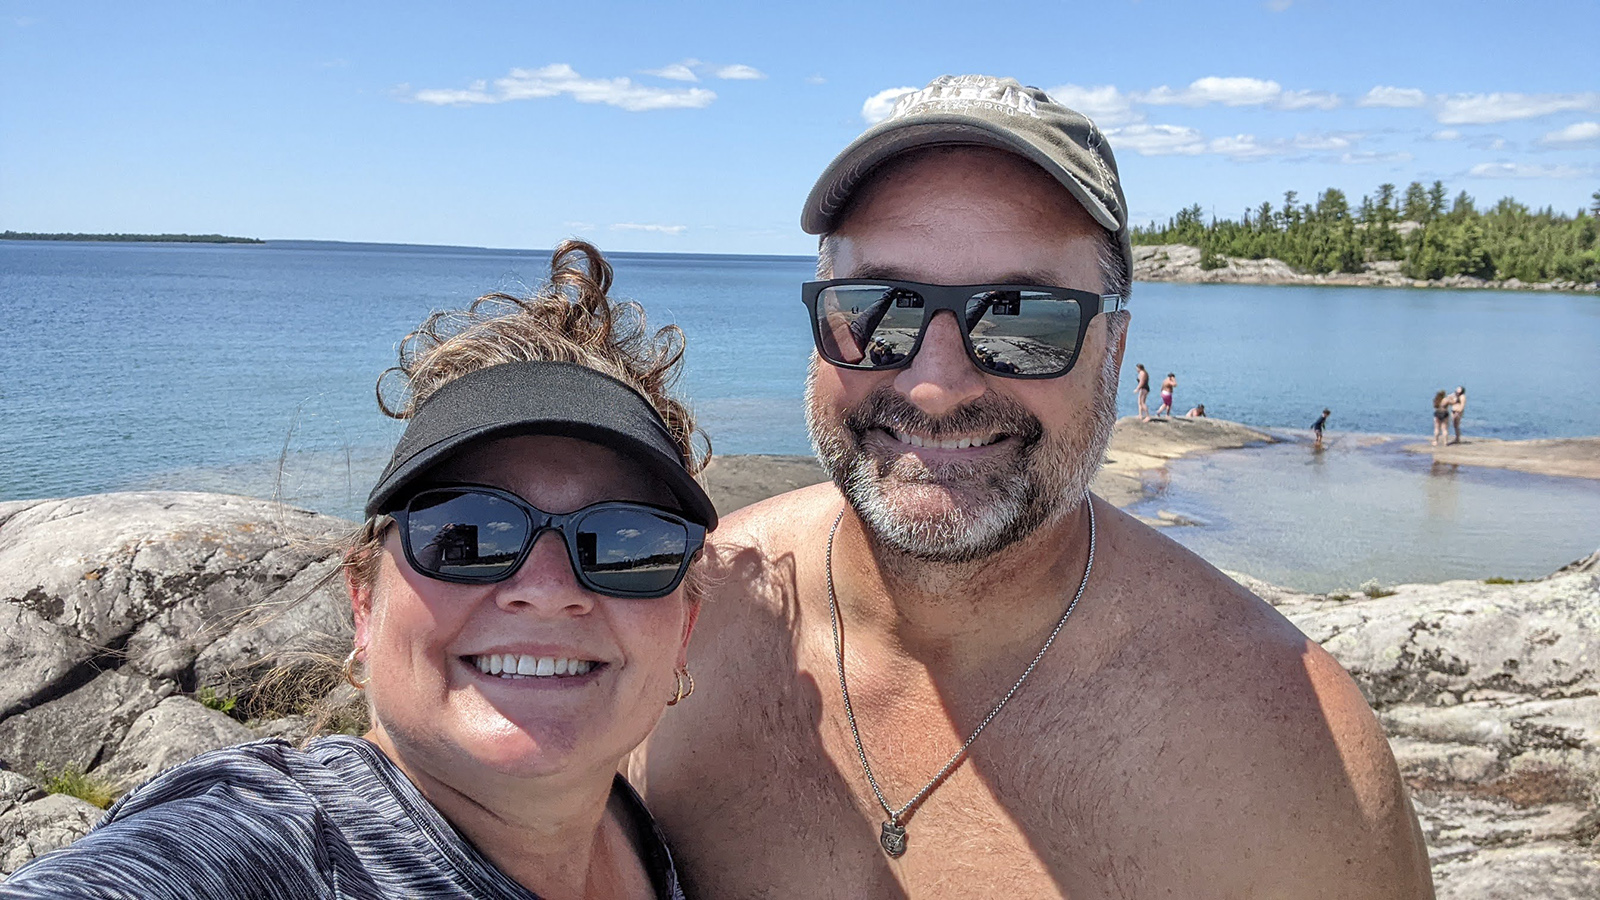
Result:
[[572, 318]]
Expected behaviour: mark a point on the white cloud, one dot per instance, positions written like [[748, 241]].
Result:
[[1325, 141], [1244, 146], [1576, 133], [879, 105], [476, 93], [1309, 100], [1237, 92], [676, 71], [1445, 134], [1487, 109], [1107, 106], [558, 79], [1368, 157], [1527, 170], [740, 72], [654, 229], [1394, 98], [1158, 140], [1211, 89], [815, 79]]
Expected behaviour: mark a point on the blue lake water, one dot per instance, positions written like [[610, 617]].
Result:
[[251, 367]]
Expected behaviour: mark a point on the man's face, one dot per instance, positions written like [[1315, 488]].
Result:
[[942, 461]]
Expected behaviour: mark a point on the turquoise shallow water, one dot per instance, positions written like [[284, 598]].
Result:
[[125, 365], [1362, 509]]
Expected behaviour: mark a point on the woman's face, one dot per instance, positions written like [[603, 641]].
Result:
[[425, 637]]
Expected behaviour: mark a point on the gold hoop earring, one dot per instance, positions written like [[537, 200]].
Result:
[[680, 676], [350, 670]]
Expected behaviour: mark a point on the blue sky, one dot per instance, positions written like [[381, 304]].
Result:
[[700, 127]]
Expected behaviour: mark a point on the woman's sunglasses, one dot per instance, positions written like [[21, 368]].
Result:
[[1016, 331], [469, 534]]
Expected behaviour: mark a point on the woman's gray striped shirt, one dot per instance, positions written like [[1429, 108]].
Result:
[[266, 821]]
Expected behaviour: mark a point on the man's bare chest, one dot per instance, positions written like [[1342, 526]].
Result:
[[1031, 809]]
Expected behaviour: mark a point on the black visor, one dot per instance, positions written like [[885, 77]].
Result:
[[552, 398]]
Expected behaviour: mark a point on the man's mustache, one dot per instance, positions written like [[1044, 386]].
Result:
[[887, 410]]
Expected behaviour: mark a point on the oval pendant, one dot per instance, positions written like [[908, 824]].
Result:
[[893, 839]]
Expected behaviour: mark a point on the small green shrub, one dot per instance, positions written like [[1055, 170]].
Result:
[[1375, 590], [210, 700], [1498, 580], [72, 781], [1339, 595]]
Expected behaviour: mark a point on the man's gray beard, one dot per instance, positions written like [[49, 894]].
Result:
[[1043, 483]]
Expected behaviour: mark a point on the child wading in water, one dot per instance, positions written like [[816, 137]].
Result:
[[1319, 425]]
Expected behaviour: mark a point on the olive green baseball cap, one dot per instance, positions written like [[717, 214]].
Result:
[[981, 110]]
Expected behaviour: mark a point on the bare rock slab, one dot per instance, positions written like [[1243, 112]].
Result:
[[144, 580], [167, 734], [36, 828], [81, 728]]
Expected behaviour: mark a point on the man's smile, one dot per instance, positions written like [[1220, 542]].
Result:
[[960, 442]]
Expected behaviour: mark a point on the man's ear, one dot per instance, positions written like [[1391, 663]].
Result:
[[1122, 338]]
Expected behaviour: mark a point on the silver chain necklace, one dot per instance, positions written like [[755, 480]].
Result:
[[893, 837]]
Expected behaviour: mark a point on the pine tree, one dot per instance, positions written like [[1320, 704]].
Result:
[[1416, 203]]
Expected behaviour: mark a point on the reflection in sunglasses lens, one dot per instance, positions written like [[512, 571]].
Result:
[[1023, 332], [631, 550], [1013, 332], [466, 534]]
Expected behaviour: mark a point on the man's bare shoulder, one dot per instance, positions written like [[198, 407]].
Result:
[[1257, 722], [753, 552]]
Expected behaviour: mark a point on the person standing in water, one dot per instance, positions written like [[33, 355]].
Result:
[[1320, 424], [1441, 418], [1458, 406], [1142, 391], [1168, 385]]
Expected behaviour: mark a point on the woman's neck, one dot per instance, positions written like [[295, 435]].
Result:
[[558, 836]]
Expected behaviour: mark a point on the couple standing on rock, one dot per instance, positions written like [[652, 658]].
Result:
[[1448, 408], [950, 672]]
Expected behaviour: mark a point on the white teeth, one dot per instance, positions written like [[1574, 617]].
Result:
[[955, 444], [511, 665]]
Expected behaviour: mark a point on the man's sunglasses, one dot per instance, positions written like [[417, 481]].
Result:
[[469, 534], [1016, 331]]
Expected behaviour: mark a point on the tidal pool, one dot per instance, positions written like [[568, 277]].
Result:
[[1361, 508]]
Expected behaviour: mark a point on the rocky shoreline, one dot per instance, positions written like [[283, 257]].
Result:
[[133, 625], [1181, 263]]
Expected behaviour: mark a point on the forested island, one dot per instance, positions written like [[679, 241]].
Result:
[[1429, 236], [131, 238]]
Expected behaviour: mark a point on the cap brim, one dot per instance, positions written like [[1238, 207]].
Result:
[[691, 497], [832, 192], [538, 397]]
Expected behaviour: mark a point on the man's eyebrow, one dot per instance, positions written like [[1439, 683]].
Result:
[[892, 272]]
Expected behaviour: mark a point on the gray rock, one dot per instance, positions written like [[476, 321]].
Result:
[[16, 789], [1545, 870], [175, 730], [1538, 640], [81, 728], [1491, 699], [146, 580], [35, 828]]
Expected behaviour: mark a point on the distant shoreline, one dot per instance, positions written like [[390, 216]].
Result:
[[1174, 263], [1181, 263], [130, 238]]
